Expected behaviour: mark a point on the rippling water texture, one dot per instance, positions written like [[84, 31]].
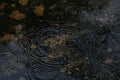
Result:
[[57, 50]]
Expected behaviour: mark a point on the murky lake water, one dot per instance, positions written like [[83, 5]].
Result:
[[69, 42]]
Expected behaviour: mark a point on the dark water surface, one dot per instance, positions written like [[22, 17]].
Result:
[[76, 40]]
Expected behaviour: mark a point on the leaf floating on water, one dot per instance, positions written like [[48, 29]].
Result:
[[7, 37], [19, 27], [74, 24], [23, 2], [17, 15], [39, 10], [33, 46]]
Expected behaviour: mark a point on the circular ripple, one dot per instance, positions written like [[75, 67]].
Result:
[[10, 66], [84, 45], [7, 60], [36, 38], [41, 72]]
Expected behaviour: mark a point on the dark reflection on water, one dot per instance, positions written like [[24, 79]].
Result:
[[57, 50]]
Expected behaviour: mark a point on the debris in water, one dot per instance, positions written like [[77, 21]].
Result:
[[39, 10], [108, 61], [23, 2], [16, 14], [6, 37]]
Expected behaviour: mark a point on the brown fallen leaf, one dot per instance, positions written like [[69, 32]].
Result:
[[74, 24], [39, 10], [16, 14], [6, 37], [23, 2], [19, 27], [33, 46]]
